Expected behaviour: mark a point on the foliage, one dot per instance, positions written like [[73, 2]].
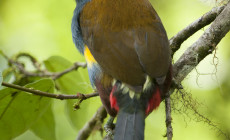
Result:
[[69, 84], [19, 110], [35, 113]]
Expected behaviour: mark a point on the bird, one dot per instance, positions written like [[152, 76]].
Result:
[[128, 59]]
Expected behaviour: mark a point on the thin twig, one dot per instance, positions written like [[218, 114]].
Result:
[[44, 73], [41, 73], [51, 95], [74, 67], [34, 61], [176, 41], [85, 132], [168, 120]]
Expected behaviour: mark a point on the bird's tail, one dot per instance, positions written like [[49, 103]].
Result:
[[131, 106], [130, 126]]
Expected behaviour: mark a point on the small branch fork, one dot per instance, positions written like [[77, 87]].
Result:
[[42, 73]]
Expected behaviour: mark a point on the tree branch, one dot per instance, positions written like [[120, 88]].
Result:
[[176, 41], [204, 46], [51, 95], [85, 132]]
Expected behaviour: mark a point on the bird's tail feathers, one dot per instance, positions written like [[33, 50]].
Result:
[[130, 126], [130, 123]]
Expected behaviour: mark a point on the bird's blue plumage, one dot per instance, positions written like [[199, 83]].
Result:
[[75, 26], [94, 72]]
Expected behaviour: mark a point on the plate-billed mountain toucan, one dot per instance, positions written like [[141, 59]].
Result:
[[128, 58]]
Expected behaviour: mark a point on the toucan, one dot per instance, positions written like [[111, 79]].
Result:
[[128, 59]]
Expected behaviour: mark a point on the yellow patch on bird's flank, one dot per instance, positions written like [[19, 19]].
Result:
[[89, 57]]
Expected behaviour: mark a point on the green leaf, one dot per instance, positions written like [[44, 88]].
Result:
[[45, 126], [75, 81], [72, 83], [20, 110]]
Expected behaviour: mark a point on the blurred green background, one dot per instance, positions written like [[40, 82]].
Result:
[[42, 28]]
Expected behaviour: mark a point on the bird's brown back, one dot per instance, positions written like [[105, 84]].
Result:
[[126, 38]]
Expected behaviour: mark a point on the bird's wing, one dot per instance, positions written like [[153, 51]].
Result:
[[127, 51]]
